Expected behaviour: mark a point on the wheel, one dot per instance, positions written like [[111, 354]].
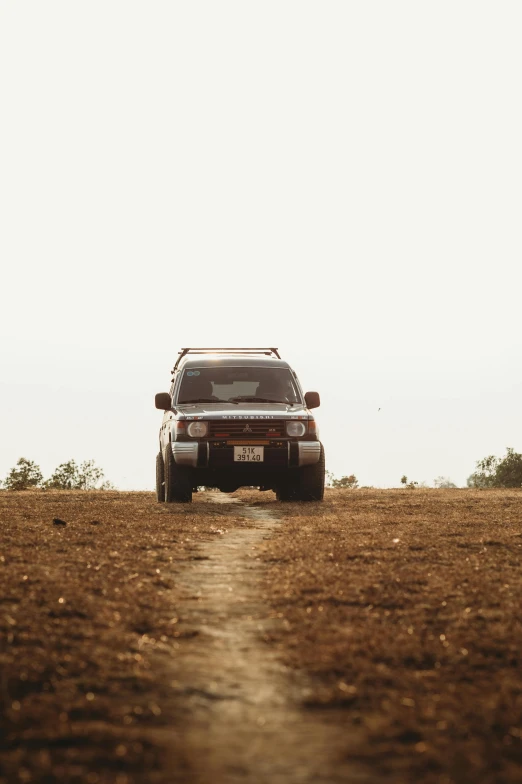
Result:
[[178, 480], [306, 485], [311, 480], [160, 478], [288, 491]]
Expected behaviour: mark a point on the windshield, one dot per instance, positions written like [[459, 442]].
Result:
[[238, 384]]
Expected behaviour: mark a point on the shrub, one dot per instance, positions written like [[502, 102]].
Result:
[[24, 476], [350, 482], [484, 476], [498, 472], [443, 483], [509, 470], [70, 476]]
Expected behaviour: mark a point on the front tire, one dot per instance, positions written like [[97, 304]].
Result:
[[160, 478], [288, 491], [178, 480], [311, 480], [306, 485]]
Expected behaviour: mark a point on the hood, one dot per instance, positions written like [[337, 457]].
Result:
[[243, 410]]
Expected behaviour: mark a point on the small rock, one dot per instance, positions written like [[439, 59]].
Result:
[[57, 521], [95, 522]]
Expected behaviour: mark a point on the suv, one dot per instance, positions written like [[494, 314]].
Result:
[[235, 417]]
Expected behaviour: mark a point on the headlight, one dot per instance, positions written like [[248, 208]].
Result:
[[294, 428], [197, 429]]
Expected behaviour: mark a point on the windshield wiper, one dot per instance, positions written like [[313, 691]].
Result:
[[204, 400], [254, 399]]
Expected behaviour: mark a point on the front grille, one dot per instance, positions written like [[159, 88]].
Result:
[[248, 428]]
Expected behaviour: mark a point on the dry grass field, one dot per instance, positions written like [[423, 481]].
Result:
[[90, 630], [405, 607], [401, 608]]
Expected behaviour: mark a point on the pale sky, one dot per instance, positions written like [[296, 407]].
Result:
[[342, 180]]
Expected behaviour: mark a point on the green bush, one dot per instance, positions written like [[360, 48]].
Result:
[[350, 482], [443, 483], [498, 472], [70, 476], [24, 476]]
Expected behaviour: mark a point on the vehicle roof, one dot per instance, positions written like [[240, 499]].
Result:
[[231, 360]]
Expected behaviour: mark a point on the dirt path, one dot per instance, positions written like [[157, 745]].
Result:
[[243, 721]]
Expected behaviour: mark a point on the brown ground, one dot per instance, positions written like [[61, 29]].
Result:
[[90, 630], [406, 608], [398, 612]]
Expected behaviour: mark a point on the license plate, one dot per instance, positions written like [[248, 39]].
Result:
[[249, 454]]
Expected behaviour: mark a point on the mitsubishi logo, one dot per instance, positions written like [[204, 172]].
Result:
[[247, 429]]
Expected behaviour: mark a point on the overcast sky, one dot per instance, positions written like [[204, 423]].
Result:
[[339, 179]]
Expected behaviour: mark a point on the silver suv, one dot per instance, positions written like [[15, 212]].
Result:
[[236, 417]]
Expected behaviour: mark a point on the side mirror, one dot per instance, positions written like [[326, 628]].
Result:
[[163, 401], [312, 400]]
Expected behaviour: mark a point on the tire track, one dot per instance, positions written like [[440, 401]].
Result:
[[241, 708]]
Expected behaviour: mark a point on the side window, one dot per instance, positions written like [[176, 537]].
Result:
[[175, 385]]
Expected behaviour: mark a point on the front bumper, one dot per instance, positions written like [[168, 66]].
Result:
[[185, 452], [309, 452], [208, 454]]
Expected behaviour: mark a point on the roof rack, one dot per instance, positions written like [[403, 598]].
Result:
[[184, 351]]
